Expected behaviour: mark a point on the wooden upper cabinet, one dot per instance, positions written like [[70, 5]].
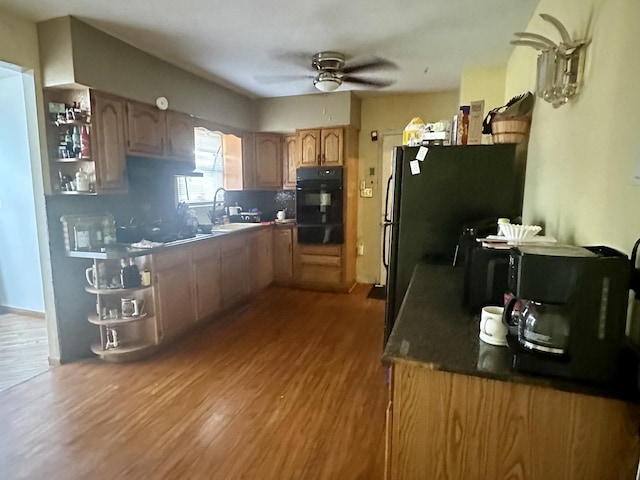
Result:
[[268, 161], [308, 147], [331, 147], [108, 143], [146, 128], [289, 162], [180, 141], [320, 147], [248, 160], [233, 148]]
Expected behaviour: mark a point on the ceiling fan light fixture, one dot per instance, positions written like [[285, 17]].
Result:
[[326, 82]]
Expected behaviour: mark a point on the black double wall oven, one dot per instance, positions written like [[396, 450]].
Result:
[[319, 205]]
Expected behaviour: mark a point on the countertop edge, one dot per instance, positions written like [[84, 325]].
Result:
[[128, 251]]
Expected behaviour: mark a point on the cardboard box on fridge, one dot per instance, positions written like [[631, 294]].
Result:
[[476, 115]]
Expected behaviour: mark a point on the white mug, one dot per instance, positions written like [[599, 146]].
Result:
[[280, 215], [492, 330], [99, 280]]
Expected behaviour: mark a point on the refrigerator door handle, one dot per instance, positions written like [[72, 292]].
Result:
[[387, 216], [385, 253]]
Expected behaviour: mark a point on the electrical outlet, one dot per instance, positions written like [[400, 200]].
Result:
[[366, 192], [360, 249]]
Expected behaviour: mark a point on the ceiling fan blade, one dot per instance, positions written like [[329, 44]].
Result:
[[301, 59], [371, 82], [369, 65], [274, 79]]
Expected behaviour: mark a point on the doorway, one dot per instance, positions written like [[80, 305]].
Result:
[[24, 347], [386, 200]]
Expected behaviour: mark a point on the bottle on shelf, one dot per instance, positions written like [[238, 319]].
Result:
[[75, 138], [108, 230], [85, 147], [68, 141], [82, 181]]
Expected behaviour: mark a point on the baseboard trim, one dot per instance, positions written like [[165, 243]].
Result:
[[54, 362], [20, 311]]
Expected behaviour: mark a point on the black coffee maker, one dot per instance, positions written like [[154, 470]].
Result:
[[567, 312]]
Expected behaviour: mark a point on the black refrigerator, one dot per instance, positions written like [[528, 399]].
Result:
[[426, 211]]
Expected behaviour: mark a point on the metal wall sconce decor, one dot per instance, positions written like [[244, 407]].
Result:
[[560, 65]]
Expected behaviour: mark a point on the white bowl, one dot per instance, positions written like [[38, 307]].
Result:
[[519, 233]]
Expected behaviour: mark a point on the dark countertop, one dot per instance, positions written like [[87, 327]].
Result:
[[434, 329], [123, 250]]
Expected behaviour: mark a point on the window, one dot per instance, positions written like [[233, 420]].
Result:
[[210, 161]]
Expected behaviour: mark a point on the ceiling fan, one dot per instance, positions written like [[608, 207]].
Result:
[[333, 70]]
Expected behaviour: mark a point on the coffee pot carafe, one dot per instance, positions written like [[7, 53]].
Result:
[[539, 327]]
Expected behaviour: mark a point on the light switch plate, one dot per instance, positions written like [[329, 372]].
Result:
[[366, 192]]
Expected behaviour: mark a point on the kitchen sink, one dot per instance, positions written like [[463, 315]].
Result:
[[234, 227]]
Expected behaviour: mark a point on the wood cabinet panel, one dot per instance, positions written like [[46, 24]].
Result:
[[174, 299], [260, 259], [146, 129], [108, 143], [233, 148], [319, 274], [234, 271], [282, 254], [268, 161], [320, 260], [289, 162], [453, 426], [308, 147], [332, 250], [331, 147], [180, 143], [206, 268]]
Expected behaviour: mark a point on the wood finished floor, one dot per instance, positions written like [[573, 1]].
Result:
[[24, 350], [290, 388]]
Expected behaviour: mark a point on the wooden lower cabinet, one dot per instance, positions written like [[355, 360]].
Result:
[[283, 255], [196, 281], [319, 266], [207, 279], [260, 260], [173, 291], [234, 270], [445, 425]]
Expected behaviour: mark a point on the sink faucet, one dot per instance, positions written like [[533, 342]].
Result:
[[214, 218]]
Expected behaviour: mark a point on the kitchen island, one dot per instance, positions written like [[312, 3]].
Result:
[[458, 411]]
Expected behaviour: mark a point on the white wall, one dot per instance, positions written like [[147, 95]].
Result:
[[19, 46], [20, 277], [582, 156], [286, 114]]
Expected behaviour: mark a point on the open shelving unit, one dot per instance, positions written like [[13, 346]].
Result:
[[122, 338]]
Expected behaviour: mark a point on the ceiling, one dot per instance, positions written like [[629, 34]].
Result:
[[245, 44]]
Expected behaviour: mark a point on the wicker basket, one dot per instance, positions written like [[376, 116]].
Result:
[[510, 129]]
